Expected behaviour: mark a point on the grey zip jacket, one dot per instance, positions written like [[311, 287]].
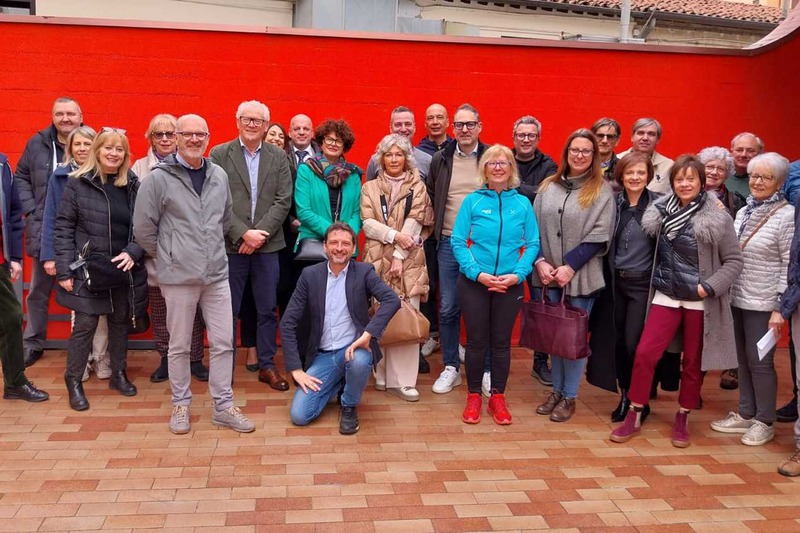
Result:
[[184, 231]]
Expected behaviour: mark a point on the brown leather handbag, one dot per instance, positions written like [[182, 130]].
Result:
[[555, 328], [407, 326]]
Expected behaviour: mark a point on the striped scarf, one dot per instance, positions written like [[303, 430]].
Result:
[[677, 216], [753, 204]]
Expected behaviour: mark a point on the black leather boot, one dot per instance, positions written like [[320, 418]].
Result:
[[77, 399], [119, 382], [618, 414]]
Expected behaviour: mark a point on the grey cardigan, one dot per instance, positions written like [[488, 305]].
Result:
[[720, 261], [182, 230], [564, 224]]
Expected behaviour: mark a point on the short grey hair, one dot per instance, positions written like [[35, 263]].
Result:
[[717, 153], [778, 165], [759, 142], [263, 109], [67, 100], [401, 109], [467, 107], [606, 122], [386, 144], [644, 122], [527, 119]]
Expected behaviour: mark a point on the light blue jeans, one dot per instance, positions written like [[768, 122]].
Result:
[[567, 373], [331, 369]]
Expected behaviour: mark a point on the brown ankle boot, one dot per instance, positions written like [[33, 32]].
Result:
[[564, 410]]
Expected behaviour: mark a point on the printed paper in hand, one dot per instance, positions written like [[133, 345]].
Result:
[[766, 343]]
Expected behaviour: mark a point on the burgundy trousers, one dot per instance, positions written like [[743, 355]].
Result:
[[659, 329]]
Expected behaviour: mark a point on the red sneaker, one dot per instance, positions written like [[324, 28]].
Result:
[[498, 409], [472, 412]]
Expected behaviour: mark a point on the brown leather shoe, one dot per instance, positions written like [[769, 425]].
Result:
[[564, 410], [549, 404], [271, 377]]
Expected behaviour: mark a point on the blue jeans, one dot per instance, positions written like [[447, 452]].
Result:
[[450, 311], [263, 272], [567, 373], [331, 369]]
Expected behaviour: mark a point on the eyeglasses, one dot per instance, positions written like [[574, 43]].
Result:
[[471, 125], [719, 170], [585, 152], [523, 136], [249, 121], [763, 178], [187, 135], [109, 129], [331, 141], [608, 136], [497, 164], [163, 135]]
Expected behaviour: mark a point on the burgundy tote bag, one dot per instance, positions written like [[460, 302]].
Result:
[[555, 327]]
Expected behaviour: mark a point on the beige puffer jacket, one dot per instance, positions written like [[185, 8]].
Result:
[[766, 258], [379, 248]]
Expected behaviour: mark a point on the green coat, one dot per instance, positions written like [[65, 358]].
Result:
[[314, 207]]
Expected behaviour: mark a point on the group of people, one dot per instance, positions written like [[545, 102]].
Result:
[[682, 265]]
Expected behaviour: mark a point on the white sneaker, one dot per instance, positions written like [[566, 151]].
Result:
[[448, 379], [409, 394], [462, 353], [733, 423], [486, 385], [103, 367], [430, 346], [758, 434]]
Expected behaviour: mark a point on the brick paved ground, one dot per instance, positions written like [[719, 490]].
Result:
[[412, 467]]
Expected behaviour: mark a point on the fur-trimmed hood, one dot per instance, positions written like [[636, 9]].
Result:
[[709, 222]]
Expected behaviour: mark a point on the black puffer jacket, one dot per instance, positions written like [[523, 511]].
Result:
[[677, 267], [83, 216], [33, 173]]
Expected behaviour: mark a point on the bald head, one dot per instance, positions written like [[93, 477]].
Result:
[[436, 123], [301, 131], [193, 137]]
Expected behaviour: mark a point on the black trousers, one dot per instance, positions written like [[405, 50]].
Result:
[[11, 332], [630, 308], [489, 318], [80, 342], [431, 308]]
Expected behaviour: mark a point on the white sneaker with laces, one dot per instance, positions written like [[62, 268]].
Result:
[[733, 423], [409, 394], [758, 434], [449, 378], [430, 346], [462, 353], [486, 385], [103, 366]]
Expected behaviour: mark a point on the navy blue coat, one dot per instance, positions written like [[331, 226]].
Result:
[[55, 188], [11, 213], [308, 300]]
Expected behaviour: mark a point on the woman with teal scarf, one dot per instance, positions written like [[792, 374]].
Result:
[[328, 188]]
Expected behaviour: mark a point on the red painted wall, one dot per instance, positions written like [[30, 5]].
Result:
[[123, 76]]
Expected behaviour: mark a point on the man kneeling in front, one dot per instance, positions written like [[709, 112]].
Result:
[[334, 297]]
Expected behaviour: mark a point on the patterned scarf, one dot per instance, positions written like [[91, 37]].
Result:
[[677, 216], [753, 204], [334, 174]]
